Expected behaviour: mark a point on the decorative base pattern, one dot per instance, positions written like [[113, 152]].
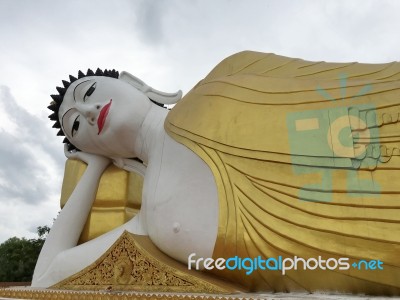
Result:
[[133, 263], [28, 293], [107, 295]]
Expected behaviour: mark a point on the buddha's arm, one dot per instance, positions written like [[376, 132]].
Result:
[[67, 228]]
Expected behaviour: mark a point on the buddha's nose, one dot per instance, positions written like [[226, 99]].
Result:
[[90, 112]]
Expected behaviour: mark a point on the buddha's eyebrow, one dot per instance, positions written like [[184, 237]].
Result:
[[77, 86], [73, 93], [62, 118]]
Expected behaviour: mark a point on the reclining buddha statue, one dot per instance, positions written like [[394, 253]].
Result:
[[266, 157]]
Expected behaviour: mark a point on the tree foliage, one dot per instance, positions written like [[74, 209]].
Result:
[[18, 256]]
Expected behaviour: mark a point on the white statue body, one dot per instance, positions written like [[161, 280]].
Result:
[[110, 120]]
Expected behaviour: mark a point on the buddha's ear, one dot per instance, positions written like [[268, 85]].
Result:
[[134, 81], [153, 94]]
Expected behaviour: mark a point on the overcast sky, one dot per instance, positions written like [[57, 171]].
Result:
[[170, 44]]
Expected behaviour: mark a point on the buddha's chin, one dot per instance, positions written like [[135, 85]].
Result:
[[123, 148], [120, 150], [116, 143]]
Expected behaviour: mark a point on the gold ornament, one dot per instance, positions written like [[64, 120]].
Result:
[[133, 263]]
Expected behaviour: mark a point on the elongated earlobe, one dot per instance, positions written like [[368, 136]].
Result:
[[153, 94]]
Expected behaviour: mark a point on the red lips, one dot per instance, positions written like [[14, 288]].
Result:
[[103, 116]]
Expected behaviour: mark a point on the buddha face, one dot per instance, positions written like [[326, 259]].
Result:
[[103, 115]]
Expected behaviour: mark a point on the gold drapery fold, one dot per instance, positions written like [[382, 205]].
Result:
[[285, 194]]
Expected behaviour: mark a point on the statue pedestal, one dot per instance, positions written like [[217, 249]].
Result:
[[133, 268], [49, 294]]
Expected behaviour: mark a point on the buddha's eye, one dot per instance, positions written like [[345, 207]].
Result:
[[75, 126], [89, 91]]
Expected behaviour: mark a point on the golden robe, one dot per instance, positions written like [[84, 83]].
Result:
[[305, 156]]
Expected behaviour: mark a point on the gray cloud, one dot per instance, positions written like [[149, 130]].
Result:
[[21, 176], [31, 129], [27, 155], [150, 20]]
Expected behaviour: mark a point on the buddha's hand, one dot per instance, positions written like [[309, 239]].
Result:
[[90, 159]]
